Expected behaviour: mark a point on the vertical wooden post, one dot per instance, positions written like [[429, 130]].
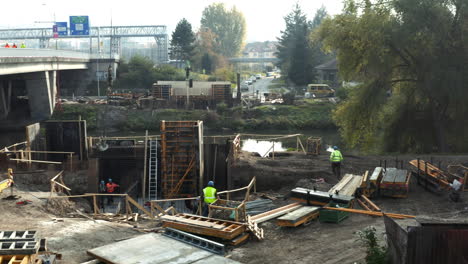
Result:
[[71, 161], [95, 205], [145, 165], [297, 143], [79, 136], [126, 207], [273, 151]]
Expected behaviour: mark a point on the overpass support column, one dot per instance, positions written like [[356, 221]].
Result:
[[5, 98], [41, 87]]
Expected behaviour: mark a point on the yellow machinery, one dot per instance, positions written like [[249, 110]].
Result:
[[320, 90], [5, 184]]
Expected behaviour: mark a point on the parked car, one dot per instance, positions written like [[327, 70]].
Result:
[[258, 76]]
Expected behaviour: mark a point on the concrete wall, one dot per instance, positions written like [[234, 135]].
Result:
[[42, 91]]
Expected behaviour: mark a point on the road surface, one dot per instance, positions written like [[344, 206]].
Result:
[[261, 85]]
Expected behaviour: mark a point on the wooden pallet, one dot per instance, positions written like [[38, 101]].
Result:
[[253, 227], [204, 226], [298, 217]]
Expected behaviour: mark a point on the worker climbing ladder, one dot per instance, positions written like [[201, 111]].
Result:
[[153, 170]]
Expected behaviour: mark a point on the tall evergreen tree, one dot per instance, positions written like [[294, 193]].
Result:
[[182, 42], [296, 53]]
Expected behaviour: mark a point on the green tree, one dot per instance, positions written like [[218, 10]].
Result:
[[229, 27], [140, 73], [182, 42], [409, 57], [206, 59], [298, 53]]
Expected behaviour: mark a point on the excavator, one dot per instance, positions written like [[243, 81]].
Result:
[[5, 184]]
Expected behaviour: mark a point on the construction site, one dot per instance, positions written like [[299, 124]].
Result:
[[271, 205]]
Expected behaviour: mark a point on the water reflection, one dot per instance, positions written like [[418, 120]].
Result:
[[263, 148]]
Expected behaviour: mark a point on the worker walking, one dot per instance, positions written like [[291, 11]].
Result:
[[210, 196], [111, 188], [102, 189], [336, 158]]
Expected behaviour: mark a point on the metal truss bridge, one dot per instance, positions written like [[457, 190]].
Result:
[[115, 33]]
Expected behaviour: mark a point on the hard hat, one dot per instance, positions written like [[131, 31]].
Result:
[[335, 147], [211, 183], [110, 180]]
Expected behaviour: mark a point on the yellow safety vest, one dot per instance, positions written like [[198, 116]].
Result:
[[210, 194], [336, 156]]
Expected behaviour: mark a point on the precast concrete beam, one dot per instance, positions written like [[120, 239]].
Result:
[[5, 98]]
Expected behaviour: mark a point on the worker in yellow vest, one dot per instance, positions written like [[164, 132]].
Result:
[[336, 158], [210, 196]]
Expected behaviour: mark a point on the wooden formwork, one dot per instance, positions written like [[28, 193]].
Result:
[[180, 157], [204, 226], [222, 93], [162, 91]]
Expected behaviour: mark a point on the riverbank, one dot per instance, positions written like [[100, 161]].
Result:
[[307, 115]]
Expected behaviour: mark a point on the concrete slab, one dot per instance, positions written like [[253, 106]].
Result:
[[154, 249]]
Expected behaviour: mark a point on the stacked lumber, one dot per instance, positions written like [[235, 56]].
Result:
[[395, 183], [347, 185], [298, 217], [275, 213], [436, 174]]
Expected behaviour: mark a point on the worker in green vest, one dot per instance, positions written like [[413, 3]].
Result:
[[336, 158], [209, 197]]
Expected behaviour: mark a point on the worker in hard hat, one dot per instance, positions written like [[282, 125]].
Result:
[[336, 158], [102, 189], [23, 46], [111, 188], [210, 196]]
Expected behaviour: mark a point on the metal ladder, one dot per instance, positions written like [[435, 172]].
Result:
[[153, 170]]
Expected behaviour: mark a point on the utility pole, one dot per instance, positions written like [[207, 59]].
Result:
[[187, 76]]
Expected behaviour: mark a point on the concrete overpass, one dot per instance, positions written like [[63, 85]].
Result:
[[38, 75], [253, 60]]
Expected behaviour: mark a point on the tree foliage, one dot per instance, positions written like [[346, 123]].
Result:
[[298, 53], [228, 26], [140, 73], [182, 42], [409, 58], [206, 59]]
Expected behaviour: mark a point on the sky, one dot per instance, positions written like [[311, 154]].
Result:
[[264, 17]]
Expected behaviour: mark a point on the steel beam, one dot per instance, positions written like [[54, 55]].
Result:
[[195, 241]]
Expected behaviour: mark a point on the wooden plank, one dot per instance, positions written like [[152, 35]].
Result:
[[130, 199], [301, 221], [239, 240], [399, 216], [191, 221], [346, 178], [275, 214], [301, 212], [274, 211], [38, 161], [207, 231]]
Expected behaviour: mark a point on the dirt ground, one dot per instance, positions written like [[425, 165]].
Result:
[[327, 243], [315, 243]]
